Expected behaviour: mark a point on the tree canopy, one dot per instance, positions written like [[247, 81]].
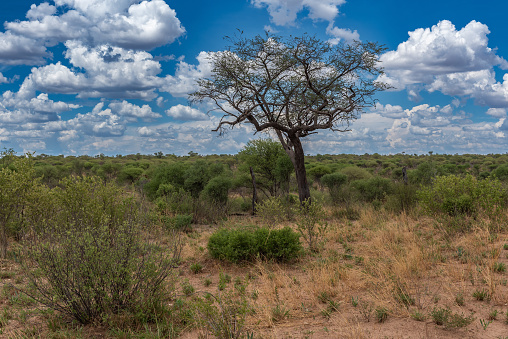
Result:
[[293, 86]]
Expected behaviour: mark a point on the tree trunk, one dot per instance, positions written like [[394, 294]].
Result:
[[298, 159]]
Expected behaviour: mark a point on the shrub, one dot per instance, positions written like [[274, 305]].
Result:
[[310, 223], [217, 189], [130, 174], [402, 198], [375, 188], [445, 317], [180, 222], [17, 188], [89, 260], [238, 244], [455, 195], [356, 173], [317, 172], [270, 211], [333, 182]]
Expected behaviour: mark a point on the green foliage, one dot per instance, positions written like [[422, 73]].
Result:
[[89, 259], [402, 198], [242, 244], [310, 224], [170, 174], [180, 222], [334, 181], [18, 188], [217, 189], [375, 188], [356, 173], [270, 163], [455, 195], [270, 211], [130, 174], [445, 317], [317, 172], [199, 174], [501, 173]]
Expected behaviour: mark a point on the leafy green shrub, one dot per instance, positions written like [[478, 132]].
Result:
[[317, 172], [239, 244], [501, 173], [455, 195], [180, 222], [375, 188], [333, 182], [89, 259], [279, 245], [17, 188], [403, 197], [356, 173], [130, 174], [217, 189], [173, 174]]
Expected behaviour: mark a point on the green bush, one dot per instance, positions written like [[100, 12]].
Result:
[[403, 197], [217, 189], [333, 182], [456, 195], [130, 174], [356, 173], [180, 222], [240, 244], [89, 260], [375, 188], [501, 173]]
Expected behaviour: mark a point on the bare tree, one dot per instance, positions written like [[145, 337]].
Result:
[[293, 86]]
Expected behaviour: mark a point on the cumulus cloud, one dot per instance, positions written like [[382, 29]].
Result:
[[284, 12], [181, 112], [129, 110], [20, 50], [342, 34], [186, 75], [102, 71], [128, 24], [454, 62]]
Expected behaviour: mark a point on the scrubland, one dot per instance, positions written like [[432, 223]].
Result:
[[95, 255]]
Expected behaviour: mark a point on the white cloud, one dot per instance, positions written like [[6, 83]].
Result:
[[127, 24], [40, 11], [284, 12], [129, 110], [3, 79], [19, 50], [186, 75], [454, 62], [342, 34], [181, 112], [106, 72]]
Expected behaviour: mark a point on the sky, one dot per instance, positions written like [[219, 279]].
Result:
[[84, 77]]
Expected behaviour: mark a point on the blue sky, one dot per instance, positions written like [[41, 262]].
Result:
[[112, 76]]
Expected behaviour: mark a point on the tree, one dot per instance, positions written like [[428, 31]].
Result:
[[269, 161], [292, 86]]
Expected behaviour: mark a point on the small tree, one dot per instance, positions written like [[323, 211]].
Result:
[[268, 160], [293, 87]]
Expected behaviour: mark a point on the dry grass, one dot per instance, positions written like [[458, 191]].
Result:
[[404, 263]]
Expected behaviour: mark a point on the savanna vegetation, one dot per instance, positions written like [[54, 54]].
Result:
[[165, 246]]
